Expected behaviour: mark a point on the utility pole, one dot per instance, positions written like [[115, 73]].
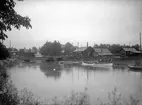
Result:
[[140, 41], [140, 32]]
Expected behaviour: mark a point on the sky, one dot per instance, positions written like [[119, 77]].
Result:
[[92, 21]]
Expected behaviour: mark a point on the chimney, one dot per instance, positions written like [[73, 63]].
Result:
[[87, 44]]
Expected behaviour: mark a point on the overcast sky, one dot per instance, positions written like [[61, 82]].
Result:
[[93, 21]]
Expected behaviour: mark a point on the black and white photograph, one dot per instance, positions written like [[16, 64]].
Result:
[[70, 52]]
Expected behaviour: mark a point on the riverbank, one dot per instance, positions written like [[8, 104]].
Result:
[[10, 95], [5, 96], [8, 62]]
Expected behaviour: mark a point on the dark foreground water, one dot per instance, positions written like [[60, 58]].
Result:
[[47, 80]]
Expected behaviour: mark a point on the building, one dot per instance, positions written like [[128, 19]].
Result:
[[27, 54], [129, 52], [80, 49], [84, 52], [102, 53], [38, 54]]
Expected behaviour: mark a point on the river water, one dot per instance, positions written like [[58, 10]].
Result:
[[47, 80]]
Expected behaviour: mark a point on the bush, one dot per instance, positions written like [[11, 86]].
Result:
[[4, 53]]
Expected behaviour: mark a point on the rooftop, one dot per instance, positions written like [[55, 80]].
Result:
[[80, 49], [131, 50], [102, 51]]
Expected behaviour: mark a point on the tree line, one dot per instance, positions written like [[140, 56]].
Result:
[[115, 48], [10, 18], [51, 48], [56, 48]]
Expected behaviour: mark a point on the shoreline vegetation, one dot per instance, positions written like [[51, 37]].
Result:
[[9, 95], [8, 62]]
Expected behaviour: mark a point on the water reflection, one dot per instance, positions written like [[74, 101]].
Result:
[[29, 65], [51, 79], [91, 68], [51, 69], [134, 70]]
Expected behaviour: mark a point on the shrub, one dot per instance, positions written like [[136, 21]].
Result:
[[4, 53]]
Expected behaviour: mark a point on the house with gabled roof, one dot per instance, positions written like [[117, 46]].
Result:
[[80, 49], [84, 52], [102, 53], [129, 52]]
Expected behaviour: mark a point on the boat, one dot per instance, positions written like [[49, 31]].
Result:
[[100, 65], [70, 62], [87, 64], [29, 61], [65, 62], [135, 67], [76, 62], [138, 63], [104, 65]]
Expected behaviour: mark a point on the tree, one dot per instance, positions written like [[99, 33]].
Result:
[[34, 49], [56, 48], [3, 52], [68, 48], [115, 48], [12, 49], [96, 45], [9, 17], [137, 47], [45, 49], [51, 49]]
